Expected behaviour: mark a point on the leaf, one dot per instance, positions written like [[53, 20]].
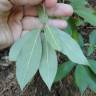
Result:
[[78, 4], [14, 53], [68, 30], [87, 15], [18, 46], [91, 80], [72, 23], [83, 11], [90, 50], [63, 70], [48, 66], [84, 78], [42, 13], [75, 34], [81, 78], [92, 38], [80, 22], [28, 60], [93, 65], [81, 42], [71, 48], [52, 37]]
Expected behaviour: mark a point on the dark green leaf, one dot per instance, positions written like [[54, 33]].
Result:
[[93, 65], [78, 4], [90, 50], [88, 16], [92, 38], [81, 78], [84, 78], [63, 70], [83, 11], [81, 42]]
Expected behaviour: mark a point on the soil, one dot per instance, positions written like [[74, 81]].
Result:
[[10, 87]]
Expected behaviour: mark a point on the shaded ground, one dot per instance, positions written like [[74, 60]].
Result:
[[66, 87]]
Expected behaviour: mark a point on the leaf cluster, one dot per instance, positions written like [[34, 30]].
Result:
[[84, 76], [36, 50]]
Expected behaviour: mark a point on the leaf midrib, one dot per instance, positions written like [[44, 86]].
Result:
[[32, 52], [52, 36]]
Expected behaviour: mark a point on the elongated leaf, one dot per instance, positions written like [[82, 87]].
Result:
[[28, 60], [63, 70], [93, 65], [83, 11], [78, 4], [48, 66], [81, 41], [92, 38], [90, 50], [75, 34], [88, 16], [92, 80], [18, 46], [52, 37], [85, 78], [81, 78], [71, 48]]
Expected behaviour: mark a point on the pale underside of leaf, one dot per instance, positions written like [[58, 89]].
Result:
[[18, 45], [52, 37], [48, 66], [29, 59], [71, 48]]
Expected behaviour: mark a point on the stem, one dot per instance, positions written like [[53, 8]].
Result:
[[42, 13]]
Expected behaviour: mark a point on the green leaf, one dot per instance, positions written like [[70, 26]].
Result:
[[90, 50], [87, 15], [81, 42], [74, 33], [91, 80], [28, 60], [92, 38], [83, 11], [93, 65], [49, 64], [72, 23], [68, 30], [81, 78], [63, 70], [80, 22], [52, 37], [78, 4], [71, 48], [18, 45], [84, 78]]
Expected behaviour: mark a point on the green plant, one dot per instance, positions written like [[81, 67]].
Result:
[[37, 51], [85, 77]]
